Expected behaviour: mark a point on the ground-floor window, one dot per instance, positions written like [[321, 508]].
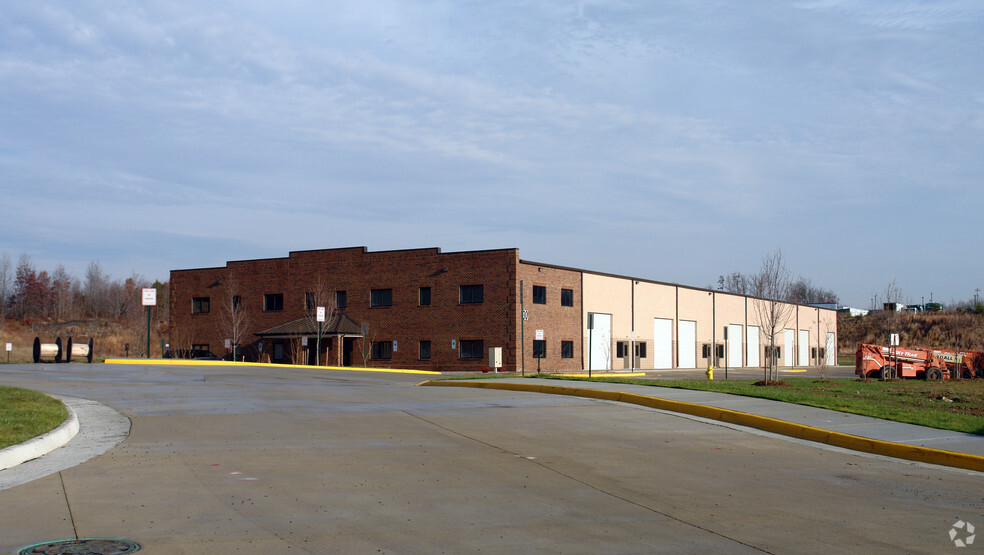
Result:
[[539, 348], [425, 349], [566, 349], [382, 350], [472, 348]]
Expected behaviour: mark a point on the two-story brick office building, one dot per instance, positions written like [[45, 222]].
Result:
[[426, 309]]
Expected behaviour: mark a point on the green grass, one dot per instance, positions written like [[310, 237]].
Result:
[[25, 414], [956, 405]]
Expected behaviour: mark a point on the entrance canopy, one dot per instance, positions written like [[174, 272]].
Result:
[[337, 325]]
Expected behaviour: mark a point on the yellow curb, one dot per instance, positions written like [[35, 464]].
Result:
[[192, 362], [800, 431], [603, 375]]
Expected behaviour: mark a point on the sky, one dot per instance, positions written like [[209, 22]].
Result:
[[674, 140]]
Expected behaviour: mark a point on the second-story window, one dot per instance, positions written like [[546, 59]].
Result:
[[273, 302], [539, 294], [381, 297], [471, 294]]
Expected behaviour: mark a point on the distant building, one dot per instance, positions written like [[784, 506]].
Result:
[[426, 309], [850, 311]]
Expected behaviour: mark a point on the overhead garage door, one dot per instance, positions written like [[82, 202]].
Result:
[[789, 344], [734, 345], [601, 342], [831, 349], [662, 343], [753, 346], [804, 347], [687, 337]]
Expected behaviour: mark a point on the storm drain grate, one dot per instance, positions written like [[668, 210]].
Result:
[[84, 546]]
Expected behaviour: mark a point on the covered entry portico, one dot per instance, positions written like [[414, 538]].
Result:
[[297, 341]]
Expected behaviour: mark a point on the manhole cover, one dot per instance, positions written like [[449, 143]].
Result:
[[85, 546]]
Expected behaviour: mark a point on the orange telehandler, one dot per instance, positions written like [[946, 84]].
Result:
[[878, 361]]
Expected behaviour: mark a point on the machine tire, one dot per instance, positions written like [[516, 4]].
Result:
[[934, 374], [886, 372]]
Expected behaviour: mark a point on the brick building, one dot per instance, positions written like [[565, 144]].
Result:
[[426, 309]]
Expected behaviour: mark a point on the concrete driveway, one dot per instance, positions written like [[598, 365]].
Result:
[[263, 460]]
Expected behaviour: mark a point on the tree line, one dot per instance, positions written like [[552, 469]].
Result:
[[800, 291], [27, 294]]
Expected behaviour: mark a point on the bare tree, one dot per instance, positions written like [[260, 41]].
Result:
[[771, 284], [322, 297], [368, 338], [234, 319], [5, 283]]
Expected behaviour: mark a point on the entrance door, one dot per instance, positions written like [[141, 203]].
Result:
[[348, 345]]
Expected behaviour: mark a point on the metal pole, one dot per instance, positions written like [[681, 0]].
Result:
[[148, 331], [317, 356], [522, 329]]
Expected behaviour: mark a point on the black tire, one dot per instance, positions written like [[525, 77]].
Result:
[[934, 374]]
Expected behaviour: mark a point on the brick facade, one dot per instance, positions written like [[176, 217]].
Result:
[[410, 298]]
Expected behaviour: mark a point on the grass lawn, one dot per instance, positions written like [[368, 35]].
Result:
[[25, 414], [956, 405]]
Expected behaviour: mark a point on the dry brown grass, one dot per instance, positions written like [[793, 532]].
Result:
[[934, 330], [109, 338]]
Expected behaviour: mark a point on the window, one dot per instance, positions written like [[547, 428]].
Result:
[[199, 305], [273, 302], [471, 294], [539, 348], [237, 302], [381, 297], [539, 294], [566, 349], [425, 296], [425, 349], [278, 351], [200, 347], [705, 350], [566, 297], [309, 301], [341, 299], [640, 349], [472, 348], [382, 350]]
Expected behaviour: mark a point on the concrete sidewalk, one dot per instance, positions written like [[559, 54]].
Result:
[[840, 429]]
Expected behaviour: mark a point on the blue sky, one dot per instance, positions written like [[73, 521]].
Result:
[[667, 140]]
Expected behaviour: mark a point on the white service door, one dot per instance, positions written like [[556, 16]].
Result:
[[734, 345], [687, 337], [753, 347], [804, 347], [662, 343], [601, 342], [789, 343]]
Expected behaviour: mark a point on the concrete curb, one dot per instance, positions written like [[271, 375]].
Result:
[[799, 431], [193, 362], [36, 447]]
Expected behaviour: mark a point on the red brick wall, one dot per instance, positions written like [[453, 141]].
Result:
[[559, 323], [357, 271]]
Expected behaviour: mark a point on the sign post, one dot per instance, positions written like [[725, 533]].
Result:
[[149, 300], [321, 319]]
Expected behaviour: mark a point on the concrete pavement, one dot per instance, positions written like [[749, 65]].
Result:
[[254, 460]]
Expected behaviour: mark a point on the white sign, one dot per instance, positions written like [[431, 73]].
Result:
[[228, 343], [894, 340], [10, 347], [539, 335], [303, 342], [394, 346], [321, 314], [149, 296], [526, 315]]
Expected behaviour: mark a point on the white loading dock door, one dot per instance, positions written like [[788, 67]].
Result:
[[789, 344], [831, 349], [734, 345], [601, 342], [753, 346], [687, 339], [662, 343], [804, 347]]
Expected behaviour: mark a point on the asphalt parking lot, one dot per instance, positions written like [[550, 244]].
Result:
[[261, 460]]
